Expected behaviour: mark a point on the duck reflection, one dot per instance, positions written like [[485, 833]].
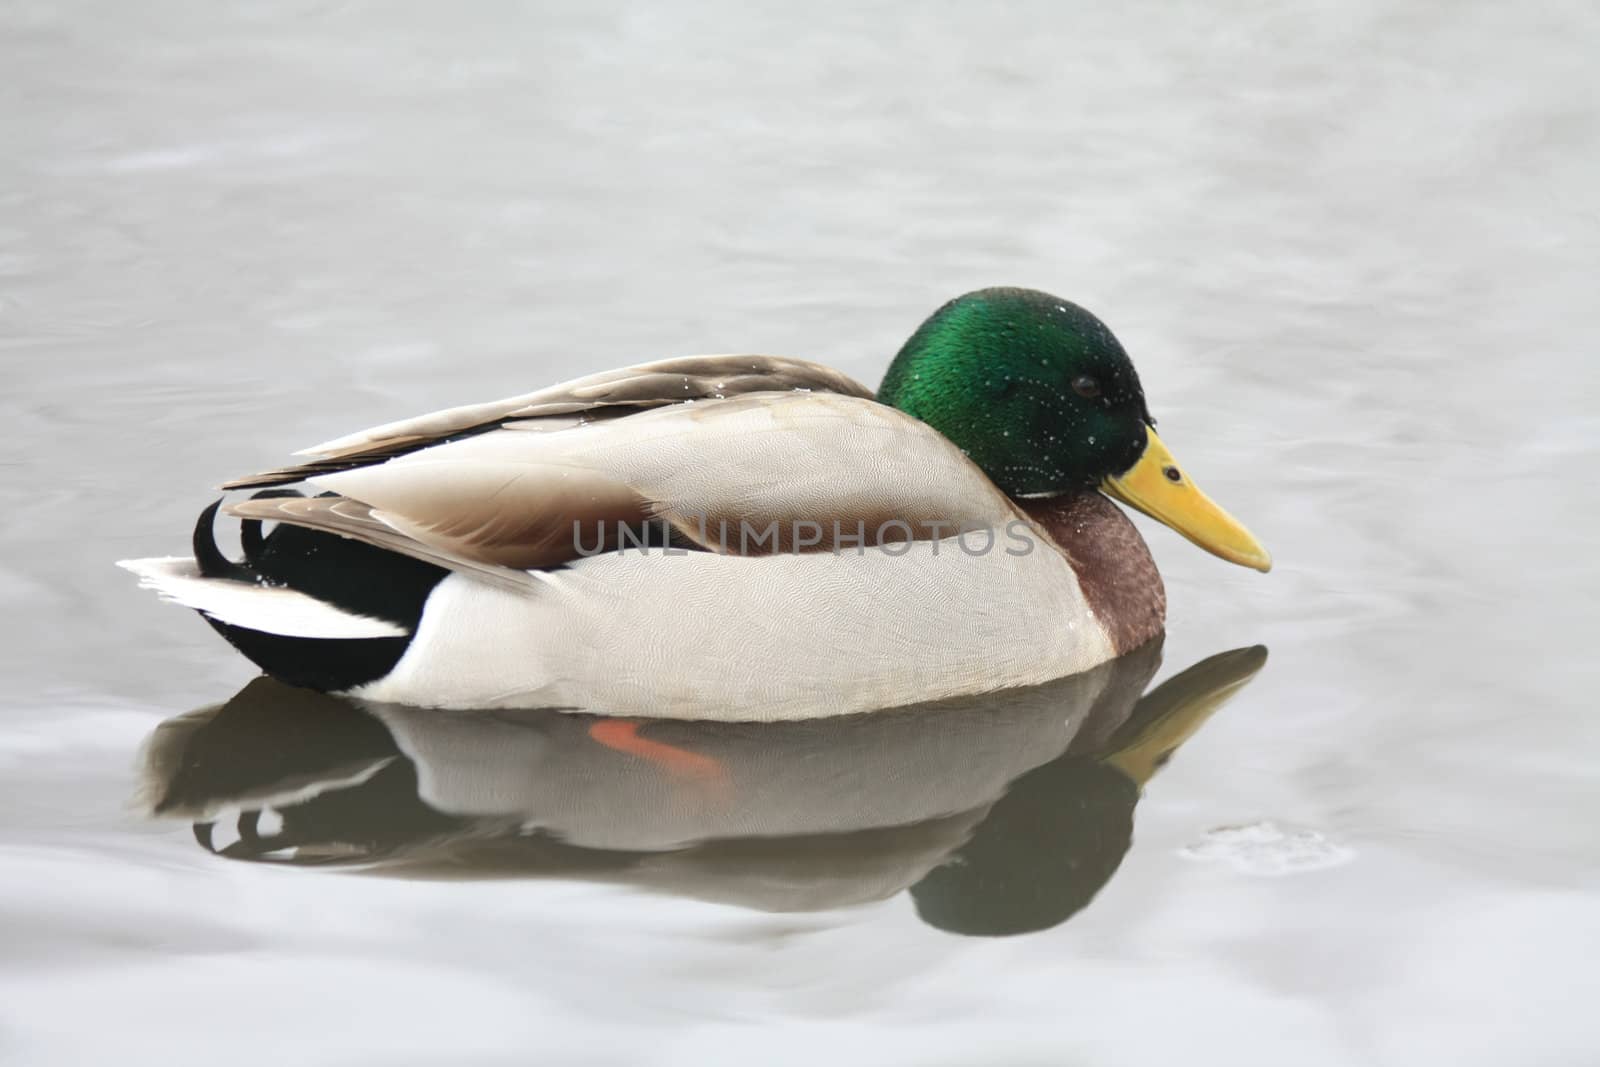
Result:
[[1002, 814]]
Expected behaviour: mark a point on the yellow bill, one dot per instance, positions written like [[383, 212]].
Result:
[[1157, 486]]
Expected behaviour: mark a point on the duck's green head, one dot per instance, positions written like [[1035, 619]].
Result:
[[1043, 398]]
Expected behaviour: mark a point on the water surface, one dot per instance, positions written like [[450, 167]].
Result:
[[1352, 249]]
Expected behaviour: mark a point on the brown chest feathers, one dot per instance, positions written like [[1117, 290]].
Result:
[[1114, 567]]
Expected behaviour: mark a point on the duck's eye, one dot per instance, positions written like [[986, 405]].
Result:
[[1086, 386]]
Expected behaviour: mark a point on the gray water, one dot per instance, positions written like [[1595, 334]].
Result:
[[1352, 248]]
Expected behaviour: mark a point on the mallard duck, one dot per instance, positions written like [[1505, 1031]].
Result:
[[732, 537]]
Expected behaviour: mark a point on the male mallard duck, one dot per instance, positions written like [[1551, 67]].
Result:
[[735, 537]]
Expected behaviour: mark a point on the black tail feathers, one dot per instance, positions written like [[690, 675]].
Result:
[[350, 575], [209, 558]]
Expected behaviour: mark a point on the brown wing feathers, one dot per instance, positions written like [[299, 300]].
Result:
[[605, 395], [451, 521], [351, 518]]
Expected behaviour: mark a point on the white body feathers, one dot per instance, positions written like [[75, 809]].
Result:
[[704, 635]]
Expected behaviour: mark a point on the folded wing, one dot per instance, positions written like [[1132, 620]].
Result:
[[751, 473], [606, 395]]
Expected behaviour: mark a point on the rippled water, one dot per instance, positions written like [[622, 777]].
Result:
[[1352, 249]]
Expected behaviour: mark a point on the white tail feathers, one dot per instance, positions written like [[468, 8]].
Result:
[[270, 609]]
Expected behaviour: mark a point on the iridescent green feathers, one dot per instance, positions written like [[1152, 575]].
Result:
[[1034, 389]]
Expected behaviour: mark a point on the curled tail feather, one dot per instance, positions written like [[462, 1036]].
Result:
[[310, 608]]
